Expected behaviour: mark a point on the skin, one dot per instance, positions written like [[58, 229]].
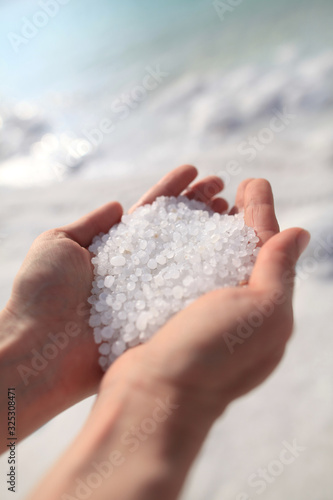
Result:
[[197, 361]]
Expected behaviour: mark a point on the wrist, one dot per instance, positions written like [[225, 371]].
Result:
[[35, 389], [139, 429], [188, 409], [42, 374], [158, 430]]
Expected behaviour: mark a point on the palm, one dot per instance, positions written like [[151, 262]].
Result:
[[205, 361], [210, 358], [52, 286], [53, 291]]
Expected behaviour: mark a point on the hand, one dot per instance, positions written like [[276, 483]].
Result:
[[50, 353], [196, 365], [229, 340]]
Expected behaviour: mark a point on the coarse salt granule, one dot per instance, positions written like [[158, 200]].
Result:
[[157, 261]]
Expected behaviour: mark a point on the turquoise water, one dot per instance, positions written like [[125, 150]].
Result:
[[94, 42], [66, 77]]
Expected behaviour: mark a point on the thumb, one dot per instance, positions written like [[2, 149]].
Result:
[[275, 266], [98, 221]]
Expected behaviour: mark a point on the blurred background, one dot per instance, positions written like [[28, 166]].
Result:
[[99, 99]]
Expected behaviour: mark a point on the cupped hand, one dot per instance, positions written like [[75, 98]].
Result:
[[50, 292], [228, 341]]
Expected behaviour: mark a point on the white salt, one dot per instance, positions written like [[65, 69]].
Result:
[[178, 292], [156, 261], [152, 264], [118, 260]]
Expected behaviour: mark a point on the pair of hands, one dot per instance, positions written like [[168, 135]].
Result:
[[202, 353]]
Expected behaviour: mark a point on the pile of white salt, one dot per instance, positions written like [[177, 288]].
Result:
[[157, 261]]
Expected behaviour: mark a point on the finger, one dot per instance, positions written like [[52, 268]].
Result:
[[259, 209], [171, 185], [239, 203], [275, 265], [99, 221], [205, 189], [219, 205]]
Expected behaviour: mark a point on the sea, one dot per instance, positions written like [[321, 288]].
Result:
[[109, 89]]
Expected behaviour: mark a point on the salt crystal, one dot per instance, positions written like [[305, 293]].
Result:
[[146, 277], [141, 322], [103, 362], [104, 348], [94, 320], [178, 292], [100, 283], [121, 297], [159, 280], [152, 264], [210, 226], [97, 335], [188, 281], [174, 274], [118, 347], [140, 304], [129, 337], [107, 332], [161, 260], [118, 260]]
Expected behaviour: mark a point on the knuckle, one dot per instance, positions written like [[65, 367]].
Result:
[[56, 233]]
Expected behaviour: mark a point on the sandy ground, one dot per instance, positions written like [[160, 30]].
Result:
[[296, 403]]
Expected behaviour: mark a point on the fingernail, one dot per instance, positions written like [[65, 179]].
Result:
[[303, 240]]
